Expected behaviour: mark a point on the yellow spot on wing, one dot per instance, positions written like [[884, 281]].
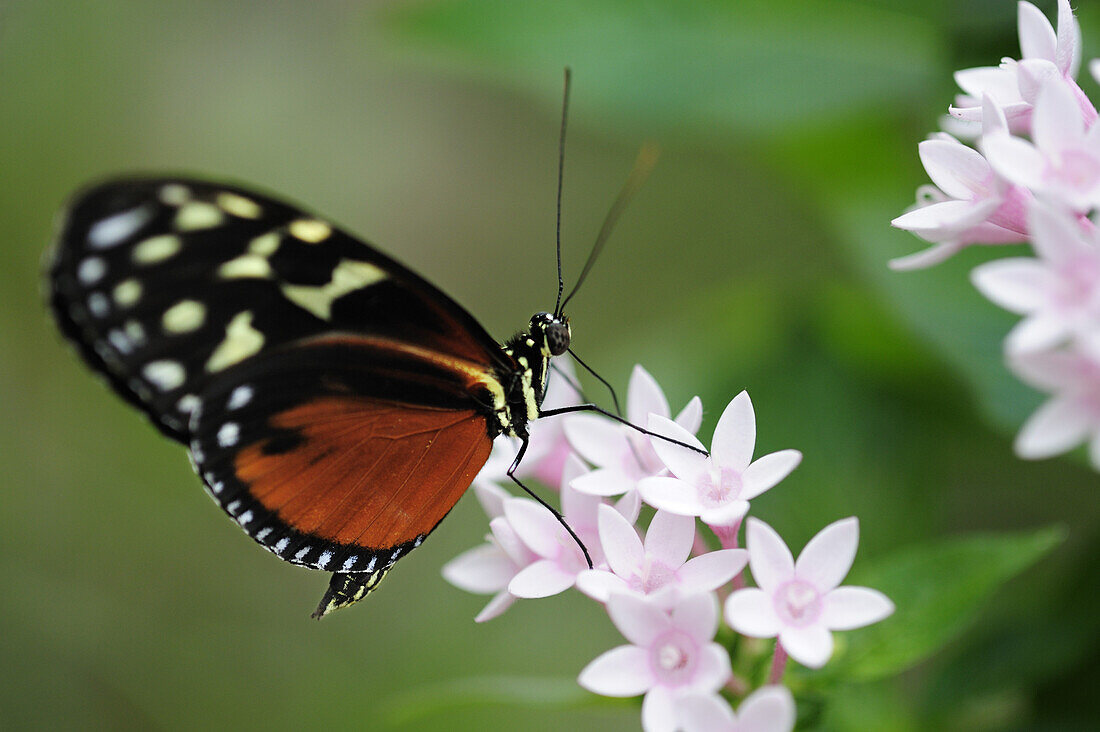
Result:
[[265, 245], [241, 341], [310, 231], [246, 265], [157, 248], [184, 316], [240, 206], [198, 215], [349, 275], [127, 292]]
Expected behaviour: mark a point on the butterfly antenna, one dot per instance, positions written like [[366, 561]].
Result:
[[643, 166], [561, 175]]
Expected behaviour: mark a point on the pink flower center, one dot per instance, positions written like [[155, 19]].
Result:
[[798, 603], [719, 486], [673, 658], [654, 575]]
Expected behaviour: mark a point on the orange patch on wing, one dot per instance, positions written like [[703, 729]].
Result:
[[367, 473]]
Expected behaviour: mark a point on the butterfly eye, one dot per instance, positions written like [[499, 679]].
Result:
[[557, 338]]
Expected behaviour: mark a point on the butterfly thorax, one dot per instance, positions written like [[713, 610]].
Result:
[[524, 387]]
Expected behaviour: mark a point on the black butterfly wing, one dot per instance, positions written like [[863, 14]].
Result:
[[335, 403], [164, 283]]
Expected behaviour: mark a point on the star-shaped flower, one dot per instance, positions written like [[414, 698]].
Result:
[[1072, 415], [717, 488], [658, 569], [671, 655], [801, 602], [1058, 291], [622, 455]]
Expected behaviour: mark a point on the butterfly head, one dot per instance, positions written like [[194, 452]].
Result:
[[551, 333]]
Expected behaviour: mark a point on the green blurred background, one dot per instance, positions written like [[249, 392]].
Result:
[[755, 257]]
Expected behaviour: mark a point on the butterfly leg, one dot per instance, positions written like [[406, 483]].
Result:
[[348, 588], [547, 506], [620, 420]]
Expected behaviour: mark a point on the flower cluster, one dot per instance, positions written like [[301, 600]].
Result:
[[1033, 175], [665, 588]]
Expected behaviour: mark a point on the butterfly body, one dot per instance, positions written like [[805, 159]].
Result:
[[335, 404]]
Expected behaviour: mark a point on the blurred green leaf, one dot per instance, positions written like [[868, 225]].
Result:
[[939, 587], [453, 694], [757, 65]]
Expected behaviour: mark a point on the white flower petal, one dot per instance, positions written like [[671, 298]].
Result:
[[926, 257], [670, 494], [706, 713], [1056, 122], [621, 546], [1094, 69], [1017, 284], [768, 709], [707, 572], [1037, 37], [725, 516], [1060, 424], [534, 525], [1056, 234], [1054, 370], [500, 602], [947, 219], [846, 608], [957, 170], [630, 505], [827, 558], [697, 615], [682, 462], [640, 621], [659, 710], [604, 482], [669, 538], [596, 439], [994, 81], [691, 416], [1015, 159], [769, 558], [622, 671], [600, 584], [735, 434], [767, 471], [484, 569], [644, 397], [752, 613], [491, 497], [541, 579], [1038, 332], [811, 646], [1032, 74], [713, 670], [1068, 50]]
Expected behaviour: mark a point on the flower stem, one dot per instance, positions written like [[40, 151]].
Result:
[[779, 663], [727, 535]]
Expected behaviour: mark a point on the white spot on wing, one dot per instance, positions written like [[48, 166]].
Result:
[[156, 248], [262, 533], [175, 194], [266, 244], [245, 517], [241, 341], [246, 265], [282, 544], [241, 396], [116, 229], [232, 507], [310, 231], [324, 559], [349, 563], [127, 292], [165, 374], [196, 215], [119, 340], [184, 317], [135, 333], [91, 270], [228, 434], [298, 555], [188, 403], [239, 206], [98, 305]]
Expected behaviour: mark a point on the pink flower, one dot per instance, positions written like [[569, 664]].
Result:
[[768, 709], [800, 601], [1058, 292], [716, 488], [1014, 84], [1072, 415], [659, 569], [671, 656], [623, 456], [971, 205], [1063, 159], [489, 568]]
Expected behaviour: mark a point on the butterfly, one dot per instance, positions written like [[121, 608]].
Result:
[[335, 404]]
